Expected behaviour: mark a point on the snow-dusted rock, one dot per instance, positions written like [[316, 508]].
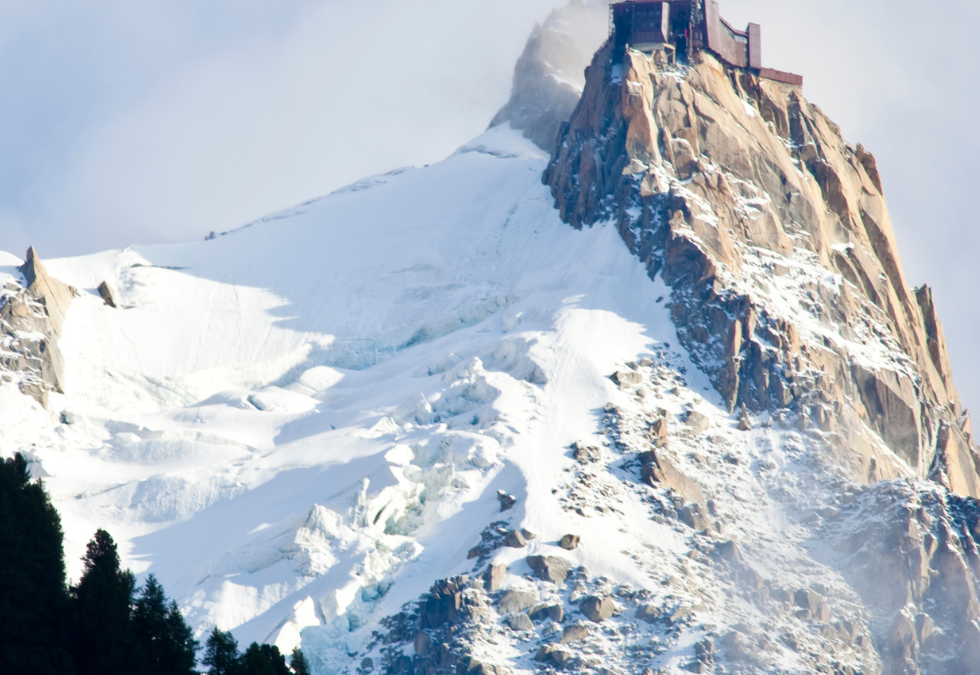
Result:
[[598, 609], [550, 568], [726, 235], [554, 613], [516, 601], [574, 633], [520, 622], [493, 577], [33, 309], [569, 542]]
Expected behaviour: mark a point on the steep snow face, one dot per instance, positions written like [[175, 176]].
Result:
[[302, 424]]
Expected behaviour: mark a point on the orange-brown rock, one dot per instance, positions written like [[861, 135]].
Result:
[[31, 321], [774, 235]]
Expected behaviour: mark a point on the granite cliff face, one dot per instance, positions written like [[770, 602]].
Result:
[[31, 319], [774, 236]]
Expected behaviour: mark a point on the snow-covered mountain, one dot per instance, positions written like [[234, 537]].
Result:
[[661, 402]]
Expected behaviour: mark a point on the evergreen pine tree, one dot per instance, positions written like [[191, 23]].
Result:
[[33, 594], [163, 643], [101, 631], [98, 628], [221, 654], [298, 663], [276, 659], [263, 660], [182, 654]]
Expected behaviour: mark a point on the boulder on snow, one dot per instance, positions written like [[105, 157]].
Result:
[[520, 621], [506, 501], [649, 613], [586, 454], [553, 654], [574, 633], [493, 577], [656, 469], [107, 294], [554, 612], [597, 608], [727, 551], [516, 601], [697, 421], [694, 516], [550, 568], [737, 646], [514, 539], [570, 542], [811, 605], [627, 378], [474, 667]]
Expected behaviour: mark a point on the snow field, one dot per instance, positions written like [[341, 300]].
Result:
[[301, 425], [285, 423]]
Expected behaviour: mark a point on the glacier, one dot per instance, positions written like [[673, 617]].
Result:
[[633, 406], [299, 425]]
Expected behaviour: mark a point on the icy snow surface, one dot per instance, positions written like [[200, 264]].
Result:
[[300, 425]]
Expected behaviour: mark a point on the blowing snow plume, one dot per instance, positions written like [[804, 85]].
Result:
[[657, 402], [550, 74]]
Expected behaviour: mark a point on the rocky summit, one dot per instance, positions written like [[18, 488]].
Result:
[[633, 383], [774, 237]]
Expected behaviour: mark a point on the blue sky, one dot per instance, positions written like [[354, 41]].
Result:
[[162, 120]]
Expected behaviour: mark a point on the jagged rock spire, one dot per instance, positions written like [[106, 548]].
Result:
[[31, 320], [775, 237]]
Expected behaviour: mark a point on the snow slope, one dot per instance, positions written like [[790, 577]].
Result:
[[306, 422]]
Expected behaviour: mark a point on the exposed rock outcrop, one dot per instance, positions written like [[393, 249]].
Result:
[[598, 609], [442, 629], [31, 321], [774, 235], [107, 294], [550, 568], [569, 542], [913, 555], [656, 469]]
